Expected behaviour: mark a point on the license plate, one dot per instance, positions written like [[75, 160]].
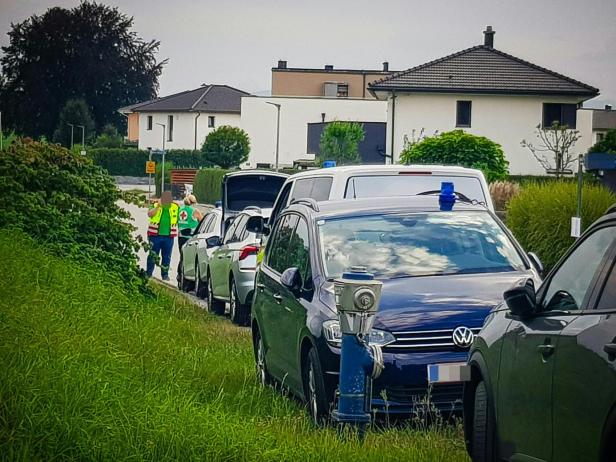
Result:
[[448, 373]]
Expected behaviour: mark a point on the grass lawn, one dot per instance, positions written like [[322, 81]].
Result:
[[89, 372]]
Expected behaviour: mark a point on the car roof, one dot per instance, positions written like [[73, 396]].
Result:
[[609, 216], [252, 211], [388, 169], [254, 172], [381, 204]]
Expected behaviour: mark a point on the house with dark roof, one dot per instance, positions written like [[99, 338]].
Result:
[[486, 92], [183, 120]]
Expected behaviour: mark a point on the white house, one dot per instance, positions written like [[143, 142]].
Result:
[[183, 120], [297, 114], [486, 92]]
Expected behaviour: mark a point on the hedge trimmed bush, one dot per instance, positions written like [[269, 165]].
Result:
[[131, 162], [540, 216], [208, 185]]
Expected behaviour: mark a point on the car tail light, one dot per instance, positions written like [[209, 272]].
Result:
[[247, 251]]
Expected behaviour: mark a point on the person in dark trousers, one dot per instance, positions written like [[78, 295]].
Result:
[[162, 230]]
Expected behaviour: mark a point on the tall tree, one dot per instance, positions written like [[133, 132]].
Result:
[[87, 52]]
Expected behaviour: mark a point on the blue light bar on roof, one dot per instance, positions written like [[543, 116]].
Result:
[[447, 197], [329, 163]]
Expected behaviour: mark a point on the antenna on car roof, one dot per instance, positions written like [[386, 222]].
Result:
[[308, 201]]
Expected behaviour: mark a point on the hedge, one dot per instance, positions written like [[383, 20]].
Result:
[[131, 162], [208, 185], [540, 215]]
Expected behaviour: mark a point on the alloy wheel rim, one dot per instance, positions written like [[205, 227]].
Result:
[[209, 294], [312, 398], [261, 362], [232, 302]]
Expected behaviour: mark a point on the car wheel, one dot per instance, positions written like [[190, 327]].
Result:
[[184, 284], [239, 312], [263, 376], [314, 388], [483, 426], [200, 286], [213, 305]]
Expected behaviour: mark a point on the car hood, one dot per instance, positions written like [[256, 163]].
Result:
[[436, 302]]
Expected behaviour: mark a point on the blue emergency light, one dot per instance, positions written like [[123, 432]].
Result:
[[218, 204], [329, 163], [447, 196]]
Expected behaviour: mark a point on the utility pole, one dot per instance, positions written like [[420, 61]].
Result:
[[162, 167], [1, 133], [277, 130], [83, 139], [72, 128]]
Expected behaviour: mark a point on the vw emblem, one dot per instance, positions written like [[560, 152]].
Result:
[[462, 337]]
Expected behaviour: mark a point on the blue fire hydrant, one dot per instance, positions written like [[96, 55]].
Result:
[[357, 301]]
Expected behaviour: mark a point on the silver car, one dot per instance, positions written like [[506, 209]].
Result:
[[196, 254], [233, 264]]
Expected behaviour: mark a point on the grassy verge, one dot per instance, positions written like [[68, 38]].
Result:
[[89, 372]]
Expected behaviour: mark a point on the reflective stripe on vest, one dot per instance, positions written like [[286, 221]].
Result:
[[155, 220]]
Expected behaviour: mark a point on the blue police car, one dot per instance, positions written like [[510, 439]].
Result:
[[443, 268]]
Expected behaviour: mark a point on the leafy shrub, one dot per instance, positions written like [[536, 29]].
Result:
[[607, 144], [208, 185], [540, 216], [502, 192], [459, 148], [131, 162], [109, 138], [70, 205], [340, 142], [226, 147], [76, 112]]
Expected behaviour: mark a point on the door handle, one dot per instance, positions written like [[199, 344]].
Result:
[[261, 287], [610, 349], [220, 257], [546, 349], [278, 297]]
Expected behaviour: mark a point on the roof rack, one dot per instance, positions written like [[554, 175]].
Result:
[[307, 201]]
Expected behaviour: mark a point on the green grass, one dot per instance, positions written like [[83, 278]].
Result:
[[88, 372]]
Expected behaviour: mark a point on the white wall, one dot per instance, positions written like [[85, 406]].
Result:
[[504, 119], [259, 121], [183, 128]]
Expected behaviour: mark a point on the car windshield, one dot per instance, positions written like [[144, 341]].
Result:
[[409, 185], [417, 244]]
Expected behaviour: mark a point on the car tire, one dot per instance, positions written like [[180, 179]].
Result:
[[483, 426], [184, 284], [239, 312], [200, 287], [263, 376], [213, 305], [315, 392]]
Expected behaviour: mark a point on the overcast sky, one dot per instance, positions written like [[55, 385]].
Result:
[[237, 42]]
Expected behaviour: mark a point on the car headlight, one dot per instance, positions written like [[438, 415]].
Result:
[[333, 335]]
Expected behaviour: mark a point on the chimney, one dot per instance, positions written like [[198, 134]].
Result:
[[385, 66], [282, 64], [608, 107], [329, 67], [488, 37]]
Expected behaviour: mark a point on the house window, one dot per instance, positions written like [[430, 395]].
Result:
[[342, 90], [600, 137], [562, 114], [149, 122], [170, 128], [463, 113], [211, 121]]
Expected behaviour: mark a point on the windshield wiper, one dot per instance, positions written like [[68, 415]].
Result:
[[461, 197]]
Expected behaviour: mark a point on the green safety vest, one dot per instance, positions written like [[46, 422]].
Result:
[[186, 219], [155, 220]]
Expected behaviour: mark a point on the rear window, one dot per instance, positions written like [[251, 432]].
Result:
[[409, 185], [256, 190]]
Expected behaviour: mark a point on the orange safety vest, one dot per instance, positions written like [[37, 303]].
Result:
[[155, 220]]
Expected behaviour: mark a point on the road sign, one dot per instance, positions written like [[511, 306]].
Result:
[[150, 166]]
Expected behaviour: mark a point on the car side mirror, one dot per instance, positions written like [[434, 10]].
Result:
[[534, 259], [522, 299], [292, 280], [255, 224], [186, 232], [213, 241]]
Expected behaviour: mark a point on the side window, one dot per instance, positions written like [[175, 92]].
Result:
[[299, 252], [302, 188], [314, 188], [238, 228], [205, 224], [230, 231], [571, 283], [279, 258], [281, 203], [608, 296]]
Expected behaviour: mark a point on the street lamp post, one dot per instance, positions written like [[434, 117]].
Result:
[[72, 128], [83, 139], [162, 167], [277, 130]]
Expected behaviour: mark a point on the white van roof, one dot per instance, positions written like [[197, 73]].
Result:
[[393, 169]]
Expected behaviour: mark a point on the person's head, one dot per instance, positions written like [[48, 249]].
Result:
[[190, 199], [166, 198]]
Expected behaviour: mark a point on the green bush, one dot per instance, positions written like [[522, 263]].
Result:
[[69, 205], [208, 185], [540, 216], [131, 162], [459, 148], [226, 147], [340, 142], [607, 144]]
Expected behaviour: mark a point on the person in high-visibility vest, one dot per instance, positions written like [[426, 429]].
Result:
[[162, 230], [189, 218]]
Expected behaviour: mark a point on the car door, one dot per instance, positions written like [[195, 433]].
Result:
[[269, 287], [189, 250], [585, 362], [227, 253], [218, 261], [530, 348], [293, 320]]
